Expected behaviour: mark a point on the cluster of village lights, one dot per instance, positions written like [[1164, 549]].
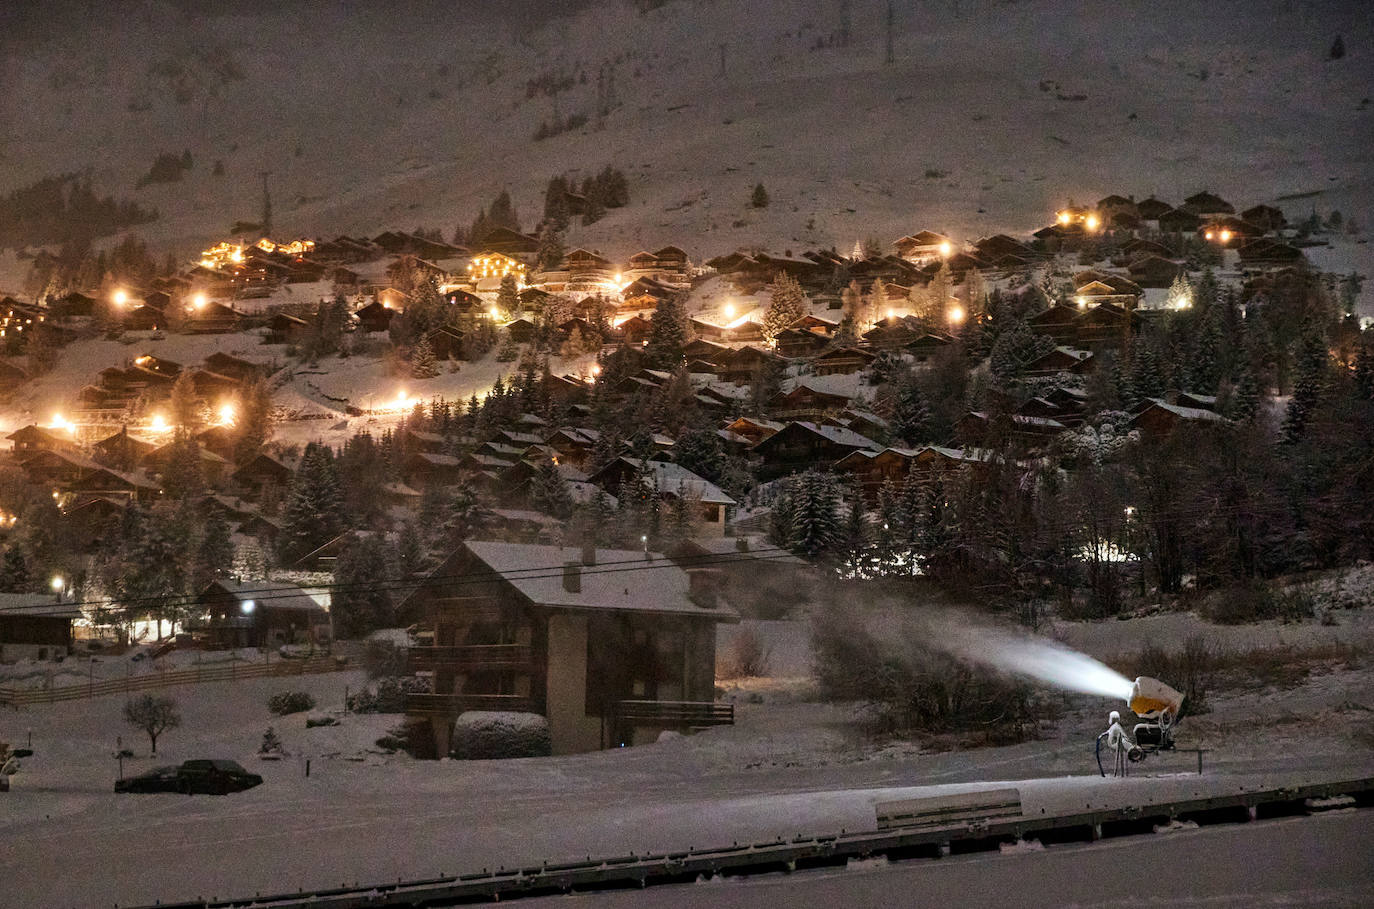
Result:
[[1089, 221], [1224, 235]]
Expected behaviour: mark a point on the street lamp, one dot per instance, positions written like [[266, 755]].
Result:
[[247, 607]]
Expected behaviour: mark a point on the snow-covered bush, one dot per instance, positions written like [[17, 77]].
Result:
[[287, 702], [387, 694], [498, 734]]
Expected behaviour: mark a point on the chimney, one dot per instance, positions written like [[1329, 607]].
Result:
[[588, 553], [572, 577], [704, 586]]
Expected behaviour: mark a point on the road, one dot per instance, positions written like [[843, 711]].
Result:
[[1325, 860]]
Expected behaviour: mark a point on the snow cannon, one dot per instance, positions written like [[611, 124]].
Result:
[[1151, 699], [1155, 701]]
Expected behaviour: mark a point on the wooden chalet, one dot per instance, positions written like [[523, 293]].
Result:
[[258, 613], [122, 450], [1265, 253], [1160, 418], [283, 328], [447, 342], [1154, 271], [1150, 209], [747, 363], [144, 318], [375, 316], [923, 247], [894, 332], [795, 343], [1061, 359], [213, 318], [1106, 325], [35, 626], [1095, 293], [806, 398], [1206, 204], [799, 445], [753, 429], [1266, 217], [668, 266], [1059, 322], [608, 658], [842, 361], [927, 347], [872, 469], [91, 521], [33, 438], [262, 471], [244, 371], [1179, 221], [507, 242]]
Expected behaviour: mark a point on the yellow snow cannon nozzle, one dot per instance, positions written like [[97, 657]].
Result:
[[1151, 698]]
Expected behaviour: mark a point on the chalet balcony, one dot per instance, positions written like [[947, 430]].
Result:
[[471, 658], [451, 705], [684, 714]]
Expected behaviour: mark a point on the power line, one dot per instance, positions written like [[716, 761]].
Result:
[[264, 594]]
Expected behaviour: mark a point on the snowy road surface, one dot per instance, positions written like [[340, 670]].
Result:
[[1314, 861]]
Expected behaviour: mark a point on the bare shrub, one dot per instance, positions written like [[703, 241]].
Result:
[[746, 656], [1192, 670], [911, 685], [1258, 601]]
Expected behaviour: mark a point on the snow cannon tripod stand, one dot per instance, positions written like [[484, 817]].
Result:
[[1156, 703]]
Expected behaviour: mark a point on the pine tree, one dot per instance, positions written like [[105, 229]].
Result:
[[787, 304], [594, 208], [503, 214], [556, 213], [254, 424], [1307, 389], [910, 415], [422, 362], [508, 298], [184, 402], [1364, 373], [759, 197], [410, 554], [550, 246], [214, 554], [669, 334], [14, 571], [1245, 403], [313, 514], [1204, 366], [815, 530], [182, 476], [361, 602], [549, 492]]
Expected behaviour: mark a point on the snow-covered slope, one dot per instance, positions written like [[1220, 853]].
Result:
[[991, 114]]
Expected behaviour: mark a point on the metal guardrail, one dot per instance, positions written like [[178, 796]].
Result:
[[675, 713], [801, 853], [454, 704], [949, 809], [20, 697]]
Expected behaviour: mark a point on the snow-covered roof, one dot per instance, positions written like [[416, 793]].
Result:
[[36, 605], [268, 594], [1187, 413], [677, 480], [621, 580]]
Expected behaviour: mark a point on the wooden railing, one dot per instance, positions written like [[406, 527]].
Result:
[[470, 657], [224, 672], [674, 713], [454, 704]]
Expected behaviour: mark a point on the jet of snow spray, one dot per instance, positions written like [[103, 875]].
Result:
[[1037, 658]]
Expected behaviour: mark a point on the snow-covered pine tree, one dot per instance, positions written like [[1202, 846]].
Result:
[[361, 602], [759, 197], [1246, 399], [1364, 372], [182, 476], [669, 334], [787, 304], [1203, 368], [313, 513], [508, 298], [550, 246], [423, 365], [14, 571]]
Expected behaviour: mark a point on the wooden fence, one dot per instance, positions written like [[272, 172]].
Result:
[[224, 672]]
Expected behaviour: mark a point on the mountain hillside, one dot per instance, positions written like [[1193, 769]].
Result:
[[991, 114]]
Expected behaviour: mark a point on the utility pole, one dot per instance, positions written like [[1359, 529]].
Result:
[[844, 23], [722, 58], [889, 32]]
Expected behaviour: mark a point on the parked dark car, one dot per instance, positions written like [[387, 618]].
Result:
[[192, 777]]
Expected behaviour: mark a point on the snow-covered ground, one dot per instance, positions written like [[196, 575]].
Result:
[[789, 766]]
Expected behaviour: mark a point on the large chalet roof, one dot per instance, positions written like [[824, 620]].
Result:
[[620, 581]]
